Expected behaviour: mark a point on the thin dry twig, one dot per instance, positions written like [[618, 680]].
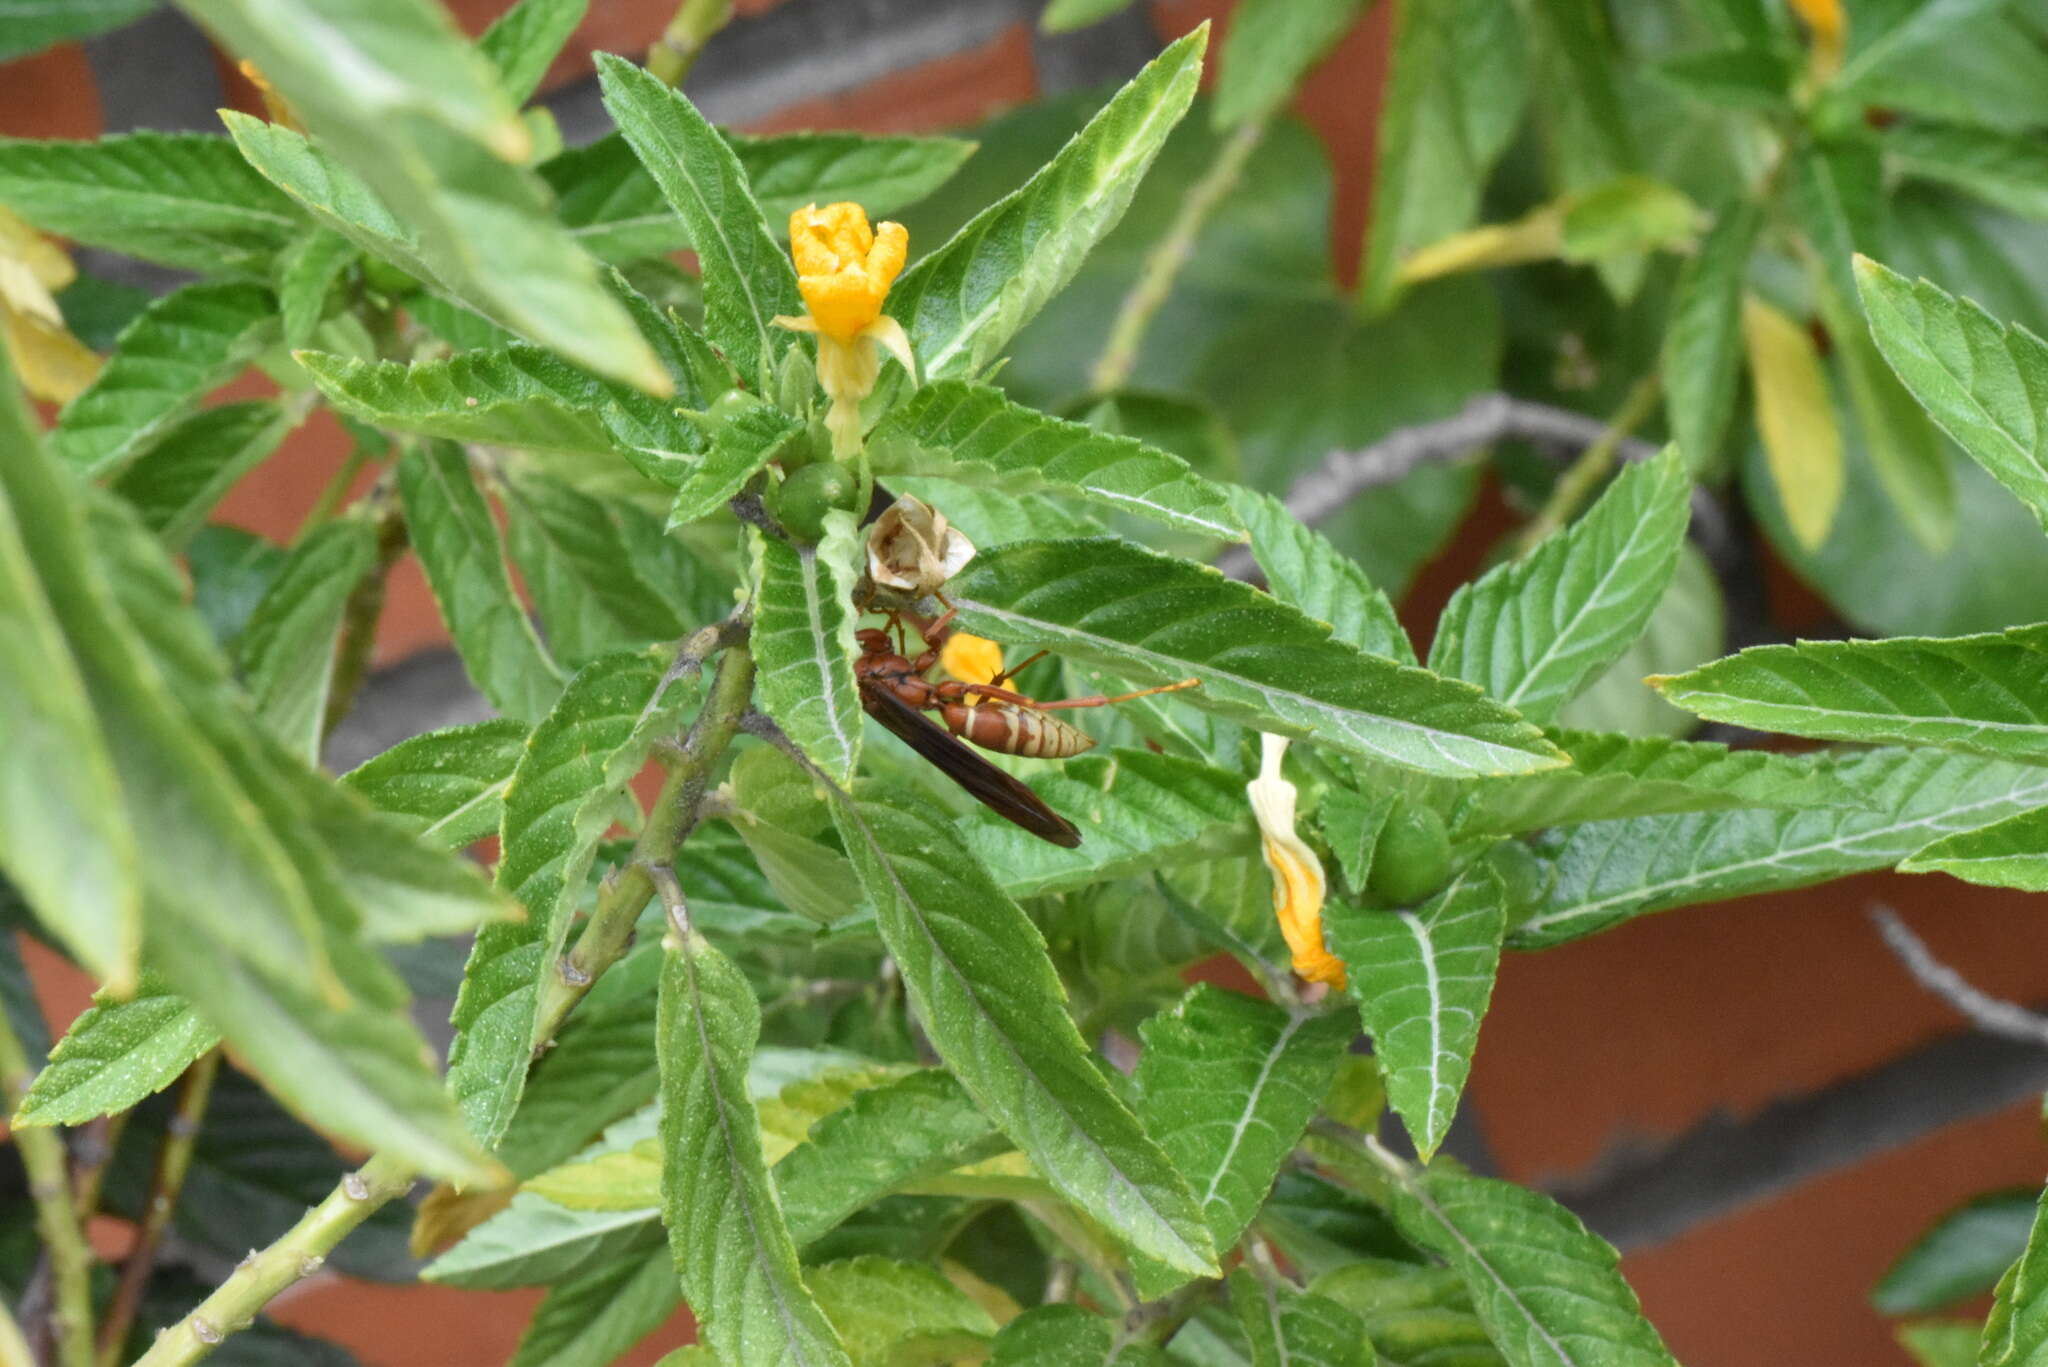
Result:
[[1988, 1013]]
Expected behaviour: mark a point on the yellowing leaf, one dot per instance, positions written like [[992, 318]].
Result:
[[1796, 417], [1536, 236]]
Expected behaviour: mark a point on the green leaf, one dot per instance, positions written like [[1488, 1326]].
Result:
[[613, 207], [1549, 1291], [891, 1312], [1533, 632], [2008, 170], [1063, 15], [1961, 1255], [1615, 776], [1586, 129], [68, 844], [305, 275], [591, 1320], [116, 1054], [742, 448], [2011, 854], [886, 1138], [457, 543], [1059, 1332], [178, 350], [1986, 384], [1415, 1316], [333, 195], [1228, 1084], [1905, 33], [1686, 629], [181, 199], [962, 302], [731, 1249], [251, 909], [563, 796], [1422, 980], [1628, 214], [977, 972], [1270, 46], [603, 573], [803, 644], [1944, 1344], [748, 278], [397, 96], [287, 649], [1459, 76], [187, 470], [1137, 811], [524, 41], [514, 396], [1702, 352], [1285, 1327], [1987, 695], [1735, 77], [534, 1242], [447, 788], [973, 434], [33, 25], [1610, 871], [1303, 570], [1158, 620], [2016, 1331]]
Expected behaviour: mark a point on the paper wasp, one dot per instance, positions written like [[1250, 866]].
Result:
[[896, 692]]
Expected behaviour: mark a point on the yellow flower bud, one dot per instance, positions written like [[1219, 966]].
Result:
[[843, 267], [1298, 883], [971, 659]]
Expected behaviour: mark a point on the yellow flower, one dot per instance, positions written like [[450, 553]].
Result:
[[1298, 883], [844, 269], [971, 659]]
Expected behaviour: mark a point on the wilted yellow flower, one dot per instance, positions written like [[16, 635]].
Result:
[[50, 362], [276, 105], [1298, 883], [1829, 26], [912, 548], [971, 659], [844, 269]]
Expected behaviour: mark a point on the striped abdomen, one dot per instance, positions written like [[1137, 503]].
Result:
[[1013, 730]]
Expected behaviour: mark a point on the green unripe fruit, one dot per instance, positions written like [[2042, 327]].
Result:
[[810, 493], [387, 279], [1413, 856], [726, 408]]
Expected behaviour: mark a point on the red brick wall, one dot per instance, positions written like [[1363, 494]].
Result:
[[1635, 1035]]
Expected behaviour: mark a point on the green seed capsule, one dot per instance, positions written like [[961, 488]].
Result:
[[726, 407], [1413, 857], [810, 493]]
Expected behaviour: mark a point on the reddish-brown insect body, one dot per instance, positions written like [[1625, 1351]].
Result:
[[896, 692]]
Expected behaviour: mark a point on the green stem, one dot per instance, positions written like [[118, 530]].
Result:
[[359, 617], [383, 1179], [1576, 485], [1164, 262], [297, 1255], [173, 1161], [673, 815], [329, 502], [49, 1186], [694, 24]]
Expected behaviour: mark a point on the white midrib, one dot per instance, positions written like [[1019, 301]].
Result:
[[814, 609], [1251, 1101]]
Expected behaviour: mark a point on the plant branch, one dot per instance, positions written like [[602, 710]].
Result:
[[1584, 475], [173, 1161], [1980, 1008], [674, 814], [695, 23], [361, 614], [297, 1255], [92, 1149], [1162, 266], [49, 1187]]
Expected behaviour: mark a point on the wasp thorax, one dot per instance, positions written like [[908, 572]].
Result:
[[912, 548]]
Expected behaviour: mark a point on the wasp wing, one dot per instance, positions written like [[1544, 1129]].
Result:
[[991, 787]]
